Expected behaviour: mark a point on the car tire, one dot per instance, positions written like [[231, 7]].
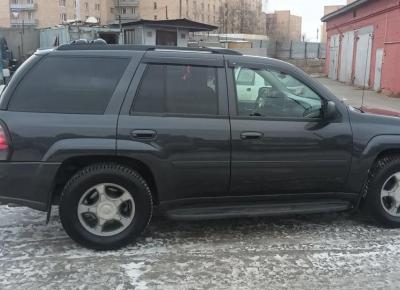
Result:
[[377, 204], [105, 206]]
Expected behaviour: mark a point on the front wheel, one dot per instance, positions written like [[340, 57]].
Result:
[[383, 191], [105, 206]]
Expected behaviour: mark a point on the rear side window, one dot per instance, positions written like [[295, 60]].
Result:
[[178, 89], [70, 85]]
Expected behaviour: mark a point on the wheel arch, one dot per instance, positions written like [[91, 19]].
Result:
[[72, 165]]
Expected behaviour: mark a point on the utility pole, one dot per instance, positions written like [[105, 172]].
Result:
[[180, 9], [22, 39], [120, 21], [78, 10], [166, 12]]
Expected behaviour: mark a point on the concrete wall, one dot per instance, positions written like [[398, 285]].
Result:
[[310, 66], [21, 48], [384, 17]]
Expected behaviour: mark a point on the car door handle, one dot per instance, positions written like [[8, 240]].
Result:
[[248, 89], [143, 134], [251, 135]]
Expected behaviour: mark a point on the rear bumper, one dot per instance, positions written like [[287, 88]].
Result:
[[27, 183]]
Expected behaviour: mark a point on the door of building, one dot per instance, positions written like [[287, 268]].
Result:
[[378, 69], [363, 57], [346, 57], [334, 57], [165, 37]]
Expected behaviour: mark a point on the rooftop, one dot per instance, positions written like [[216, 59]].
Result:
[[347, 8], [183, 23]]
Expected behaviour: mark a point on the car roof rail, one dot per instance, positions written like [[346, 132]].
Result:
[[84, 45]]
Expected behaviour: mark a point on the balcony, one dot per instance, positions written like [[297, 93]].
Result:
[[22, 7], [25, 22], [126, 3], [128, 17]]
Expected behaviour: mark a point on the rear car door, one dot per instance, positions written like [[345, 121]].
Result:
[[175, 122], [281, 143]]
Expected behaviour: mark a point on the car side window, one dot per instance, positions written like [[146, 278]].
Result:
[[277, 95], [177, 89], [69, 85]]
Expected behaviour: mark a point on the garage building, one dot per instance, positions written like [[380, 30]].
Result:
[[364, 45]]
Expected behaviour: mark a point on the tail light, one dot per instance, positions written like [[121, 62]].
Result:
[[4, 144]]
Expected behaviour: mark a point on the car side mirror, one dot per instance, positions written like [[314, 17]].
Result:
[[330, 110]]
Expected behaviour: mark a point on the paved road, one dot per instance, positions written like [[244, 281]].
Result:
[[339, 251], [353, 96]]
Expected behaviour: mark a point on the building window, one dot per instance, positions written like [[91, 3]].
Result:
[[97, 7], [354, 13], [155, 17], [63, 17], [123, 10], [112, 10], [62, 3], [155, 5], [86, 5]]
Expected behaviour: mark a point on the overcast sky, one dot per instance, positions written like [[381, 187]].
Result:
[[311, 11]]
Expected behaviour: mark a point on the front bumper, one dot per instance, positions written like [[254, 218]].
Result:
[[27, 183]]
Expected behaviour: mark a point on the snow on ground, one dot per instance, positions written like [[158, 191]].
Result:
[[339, 251]]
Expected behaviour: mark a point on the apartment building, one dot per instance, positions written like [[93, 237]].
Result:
[[283, 26], [231, 16], [46, 13], [328, 10]]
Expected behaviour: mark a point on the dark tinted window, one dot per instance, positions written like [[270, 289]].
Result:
[[178, 89], [69, 85]]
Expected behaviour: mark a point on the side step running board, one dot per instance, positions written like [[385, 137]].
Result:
[[256, 210]]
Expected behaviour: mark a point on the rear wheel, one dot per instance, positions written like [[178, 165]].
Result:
[[105, 206], [383, 191]]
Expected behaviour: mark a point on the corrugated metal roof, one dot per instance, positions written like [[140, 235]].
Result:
[[344, 9]]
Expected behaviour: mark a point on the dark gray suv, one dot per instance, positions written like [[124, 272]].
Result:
[[112, 132]]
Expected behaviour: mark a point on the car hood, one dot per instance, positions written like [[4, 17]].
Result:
[[380, 111], [368, 123]]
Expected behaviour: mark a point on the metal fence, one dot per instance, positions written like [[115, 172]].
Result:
[[297, 50], [270, 48]]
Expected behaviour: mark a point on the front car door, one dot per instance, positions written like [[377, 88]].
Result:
[[175, 121], [283, 145]]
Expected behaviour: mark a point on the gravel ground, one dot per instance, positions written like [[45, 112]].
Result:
[[336, 251]]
